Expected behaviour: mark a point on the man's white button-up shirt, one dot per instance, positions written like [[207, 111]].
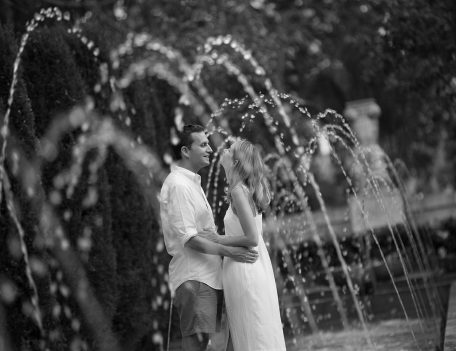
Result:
[[184, 212]]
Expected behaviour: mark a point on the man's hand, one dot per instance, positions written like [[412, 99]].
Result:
[[242, 254]]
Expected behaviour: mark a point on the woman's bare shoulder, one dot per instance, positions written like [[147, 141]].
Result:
[[241, 193], [240, 189]]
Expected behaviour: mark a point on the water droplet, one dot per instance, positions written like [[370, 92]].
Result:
[[64, 244], [38, 17], [4, 131], [75, 324], [260, 71], [55, 197], [157, 338], [64, 290], [167, 158], [56, 310], [67, 312], [30, 191], [8, 291], [91, 198], [38, 266], [84, 244], [163, 289]]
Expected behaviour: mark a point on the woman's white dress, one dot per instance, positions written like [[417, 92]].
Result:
[[251, 296]]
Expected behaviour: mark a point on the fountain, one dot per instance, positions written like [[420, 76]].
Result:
[[327, 263], [423, 304]]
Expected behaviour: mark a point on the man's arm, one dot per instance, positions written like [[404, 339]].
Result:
[[240, 254], [182, 220]]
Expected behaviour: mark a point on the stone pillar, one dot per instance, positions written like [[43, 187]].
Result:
[[363, 118], [384, 208]]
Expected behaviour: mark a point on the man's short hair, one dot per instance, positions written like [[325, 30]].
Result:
[[185, 138]]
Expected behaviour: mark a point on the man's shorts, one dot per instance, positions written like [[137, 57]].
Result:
[[199, 307]]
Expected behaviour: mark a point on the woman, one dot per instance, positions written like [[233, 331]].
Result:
[[250, 290]]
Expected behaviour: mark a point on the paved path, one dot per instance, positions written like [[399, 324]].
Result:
[[450, 329]]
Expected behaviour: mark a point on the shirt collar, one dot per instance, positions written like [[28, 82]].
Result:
[[194, 177]]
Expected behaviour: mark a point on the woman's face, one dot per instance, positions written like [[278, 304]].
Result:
[[226, 160]]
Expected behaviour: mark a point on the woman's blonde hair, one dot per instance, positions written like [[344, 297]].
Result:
[[249, 169]]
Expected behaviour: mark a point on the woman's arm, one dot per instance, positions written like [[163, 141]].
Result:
[[240, 254], [241, 241], [241, 203]]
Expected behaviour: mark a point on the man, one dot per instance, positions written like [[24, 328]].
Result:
[[195, 270]]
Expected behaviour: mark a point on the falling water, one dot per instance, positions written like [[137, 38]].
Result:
[[360, 313], [100, 133], [152, 67], [39, 18], [138, 158], [258, 70], [317, 240]]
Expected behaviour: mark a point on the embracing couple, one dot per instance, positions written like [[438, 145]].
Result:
[[203, 261]]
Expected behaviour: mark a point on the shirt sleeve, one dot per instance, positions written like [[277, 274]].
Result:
[[181, 213]]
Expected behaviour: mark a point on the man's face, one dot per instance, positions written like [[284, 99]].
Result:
[[199, 152]]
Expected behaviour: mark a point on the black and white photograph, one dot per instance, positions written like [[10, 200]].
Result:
[[227, 175]]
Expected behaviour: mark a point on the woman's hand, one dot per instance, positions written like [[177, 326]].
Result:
[[210, 235]]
